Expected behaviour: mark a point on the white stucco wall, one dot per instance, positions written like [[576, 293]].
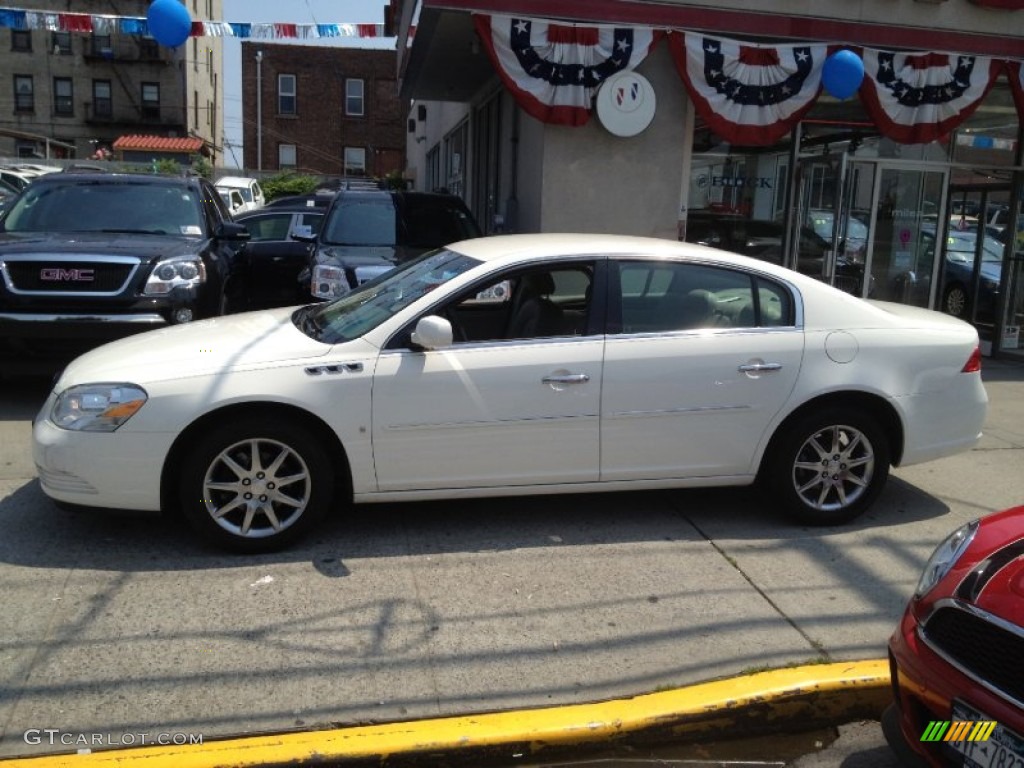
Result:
[[593, 181]]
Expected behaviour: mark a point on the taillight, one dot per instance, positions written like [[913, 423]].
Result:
[[973, 364]]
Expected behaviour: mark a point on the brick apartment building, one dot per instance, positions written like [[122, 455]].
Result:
[[69, 93], [330, 111]]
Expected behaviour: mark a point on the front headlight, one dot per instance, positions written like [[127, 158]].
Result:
[[174, 273], [97, 407], [945, 557], [329, 282]]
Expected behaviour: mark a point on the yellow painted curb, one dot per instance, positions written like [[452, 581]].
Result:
[[801, 697]]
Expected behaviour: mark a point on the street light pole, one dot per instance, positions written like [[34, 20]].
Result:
[[259, 111]]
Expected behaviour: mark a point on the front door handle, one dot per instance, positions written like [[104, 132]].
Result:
[[760, 367], [566, 378]]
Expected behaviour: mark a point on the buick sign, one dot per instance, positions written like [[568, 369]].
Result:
[[61, 275]]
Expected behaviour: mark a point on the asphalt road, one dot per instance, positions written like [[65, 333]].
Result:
[[117, 626]]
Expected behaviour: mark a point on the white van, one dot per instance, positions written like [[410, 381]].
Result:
[[251, 191]]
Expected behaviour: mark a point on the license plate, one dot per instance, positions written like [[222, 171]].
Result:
[[1003, 749]]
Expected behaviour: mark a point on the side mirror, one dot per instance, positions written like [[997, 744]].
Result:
[[304, 234], [229, 230], [432, 332]]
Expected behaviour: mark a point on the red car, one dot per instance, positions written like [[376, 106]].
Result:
[[958, 653]]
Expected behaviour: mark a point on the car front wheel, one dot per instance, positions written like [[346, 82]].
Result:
[[255, 485], [830, 466]]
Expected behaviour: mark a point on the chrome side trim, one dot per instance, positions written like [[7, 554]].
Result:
[[35, 317], [976, 612]]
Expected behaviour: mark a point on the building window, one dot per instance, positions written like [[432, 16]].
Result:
[[24, 94], [63, 96], [286, 101], [355, 161], [354, 97], [286, 156], [149, 49], [62, 43], [151, 101], [102, 105], [21, 40], [101, 46]]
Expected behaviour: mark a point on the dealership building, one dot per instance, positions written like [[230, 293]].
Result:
[[876, 144]]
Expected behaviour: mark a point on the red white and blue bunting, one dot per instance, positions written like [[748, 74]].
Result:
[[917, 98], [101, 24], [553, 70], [748, 94]]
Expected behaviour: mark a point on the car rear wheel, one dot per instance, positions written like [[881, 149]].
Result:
[[255, 485], [955, 301], [830, 466]]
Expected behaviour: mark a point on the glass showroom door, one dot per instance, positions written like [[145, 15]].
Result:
[[834, 210], [904, 228]]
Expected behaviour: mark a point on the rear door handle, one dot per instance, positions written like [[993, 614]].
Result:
[[760, 367]]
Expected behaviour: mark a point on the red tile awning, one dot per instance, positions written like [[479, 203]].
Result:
[[159, 144]]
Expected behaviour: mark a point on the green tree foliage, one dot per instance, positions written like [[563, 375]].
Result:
[[284, 184], [167, 166]]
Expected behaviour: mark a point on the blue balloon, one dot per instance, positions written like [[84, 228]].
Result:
[[169, 22], [842, 74]]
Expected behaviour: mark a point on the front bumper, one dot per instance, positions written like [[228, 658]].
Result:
[[110, 470], [925, 686]]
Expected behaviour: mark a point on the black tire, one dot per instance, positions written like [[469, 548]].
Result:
[[954, 301], [828, 467], [220, 472]]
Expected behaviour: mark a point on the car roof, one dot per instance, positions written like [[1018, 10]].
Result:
[[234, 181], [542, 246], [264, 211]]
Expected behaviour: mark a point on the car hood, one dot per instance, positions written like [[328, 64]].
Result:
[[248, 340], [143, 246]]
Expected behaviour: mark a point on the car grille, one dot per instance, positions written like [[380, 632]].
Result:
[[78, 276], [990, 653]]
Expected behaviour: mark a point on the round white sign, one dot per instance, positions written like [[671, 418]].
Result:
[[626, 103]]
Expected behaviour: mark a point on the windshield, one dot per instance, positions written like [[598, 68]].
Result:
[[106, 206], [362, 222], [962, 244], [362, 310]]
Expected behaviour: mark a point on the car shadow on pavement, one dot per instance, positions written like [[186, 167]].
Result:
[[38, 534]]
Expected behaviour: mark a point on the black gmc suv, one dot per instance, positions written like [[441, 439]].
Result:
[[368, 232], [88, 258]]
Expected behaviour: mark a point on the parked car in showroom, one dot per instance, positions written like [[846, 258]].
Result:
[[957, 656], [369, 231], [762, 239], [958, 272], [267, 267], [513, 365], [87, 258]]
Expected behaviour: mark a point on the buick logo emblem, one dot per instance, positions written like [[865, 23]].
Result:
[[61, 275]]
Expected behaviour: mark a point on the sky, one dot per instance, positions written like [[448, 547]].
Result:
[[290, 11]]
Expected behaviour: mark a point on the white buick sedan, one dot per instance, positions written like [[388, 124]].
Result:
[[529, 364]]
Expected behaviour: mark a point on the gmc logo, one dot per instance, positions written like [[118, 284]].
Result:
[[61, 275]]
